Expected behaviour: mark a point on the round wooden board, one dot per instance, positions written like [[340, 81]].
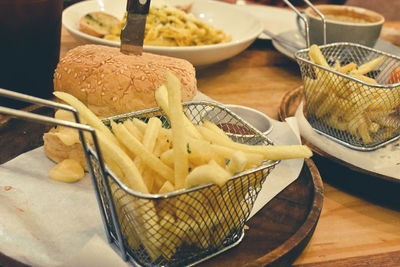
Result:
[[279, 232], [288, 107]]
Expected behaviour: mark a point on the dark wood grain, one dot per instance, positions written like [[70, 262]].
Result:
[[19, 136], [6, 261]]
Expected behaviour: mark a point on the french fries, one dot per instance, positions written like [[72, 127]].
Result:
[[347, 105], [154, 160]]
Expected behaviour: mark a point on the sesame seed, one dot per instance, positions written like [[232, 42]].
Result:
[[142, 78], [83, 90], [59, 76], [114, 98], [102, 93], [122, 71], [102, 76], [75, 75], [99, 82], [86, 69], [83, 78], [88, 86], [65, 69]]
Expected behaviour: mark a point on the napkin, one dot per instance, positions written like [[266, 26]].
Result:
[[384, 161], [48, 223]]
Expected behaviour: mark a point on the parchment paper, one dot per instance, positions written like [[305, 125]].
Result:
[[384, 161], [49, 223]]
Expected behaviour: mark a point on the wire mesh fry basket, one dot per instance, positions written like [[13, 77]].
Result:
[[357, 110], [357, 113], [179, 228], [187, 226]]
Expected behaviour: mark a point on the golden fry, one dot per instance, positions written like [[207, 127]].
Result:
[[209, 173], [369, 66], [139, 150], [269, 152], [181, 162], [317, 57]]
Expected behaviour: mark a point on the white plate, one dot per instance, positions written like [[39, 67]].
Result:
[[295, 37], [243, 27], [274, 19], [257, 119], [383, 162]]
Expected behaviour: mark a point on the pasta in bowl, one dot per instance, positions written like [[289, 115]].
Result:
[[167, 25], [232, 30]]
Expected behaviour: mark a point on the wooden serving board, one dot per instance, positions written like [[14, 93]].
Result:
[[277, 234]]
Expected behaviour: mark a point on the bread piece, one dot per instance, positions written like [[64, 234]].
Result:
[[57, 151], [97, 23], [109, 82]]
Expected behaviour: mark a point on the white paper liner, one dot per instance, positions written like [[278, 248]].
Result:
[[49, 223], [384, 161]]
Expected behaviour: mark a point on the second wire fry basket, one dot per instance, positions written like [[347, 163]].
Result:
[[358, 111], [354, 112]]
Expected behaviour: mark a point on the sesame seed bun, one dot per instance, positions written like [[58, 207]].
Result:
[[110, 82]]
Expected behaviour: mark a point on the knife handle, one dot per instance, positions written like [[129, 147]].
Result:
[[138, 6]]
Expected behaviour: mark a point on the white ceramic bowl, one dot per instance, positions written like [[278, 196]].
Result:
[[236, 130], [243, 27], [257, 119]]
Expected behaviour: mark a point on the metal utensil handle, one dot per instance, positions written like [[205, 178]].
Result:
[[138, 6], [304, 19], [75, 125]]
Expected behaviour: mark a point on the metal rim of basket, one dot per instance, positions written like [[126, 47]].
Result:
[[257, 133], [299, 57]]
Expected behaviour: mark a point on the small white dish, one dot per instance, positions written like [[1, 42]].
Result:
[[234, 124], [255, 118], [243, 26]]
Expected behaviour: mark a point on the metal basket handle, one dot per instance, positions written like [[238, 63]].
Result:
[[81, 128], [304, 19]]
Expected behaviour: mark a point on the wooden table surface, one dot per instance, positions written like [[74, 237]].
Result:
[[356, 228]]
